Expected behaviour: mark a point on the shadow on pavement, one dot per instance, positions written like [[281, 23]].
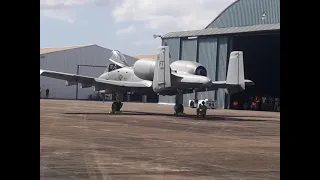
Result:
[[187, 116]]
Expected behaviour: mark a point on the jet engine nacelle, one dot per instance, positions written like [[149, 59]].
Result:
[[190, 67], [144, 68]]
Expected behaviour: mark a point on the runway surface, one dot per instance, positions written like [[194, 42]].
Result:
[[81, 140]]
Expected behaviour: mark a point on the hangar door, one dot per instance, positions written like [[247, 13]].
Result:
[[261, 53]]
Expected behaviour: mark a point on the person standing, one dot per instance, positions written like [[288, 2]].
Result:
[[202, 110], [235, 104], [47, 93], [276, 104]]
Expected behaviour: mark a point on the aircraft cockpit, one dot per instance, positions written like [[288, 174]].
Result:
[[116, 56], [112, 67]]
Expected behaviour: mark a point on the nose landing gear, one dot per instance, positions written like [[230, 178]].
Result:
[[117, 105]]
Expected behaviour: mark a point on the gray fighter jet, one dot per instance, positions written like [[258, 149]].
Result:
[[159, 76]]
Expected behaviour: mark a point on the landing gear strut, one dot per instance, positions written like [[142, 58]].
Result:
[[178, 107]]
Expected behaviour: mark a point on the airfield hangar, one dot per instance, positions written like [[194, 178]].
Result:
[[74, 60], [251, 26]]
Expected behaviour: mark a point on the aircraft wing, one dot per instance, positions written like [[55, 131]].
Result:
[[86, 81], [125, 83], [66, 76]]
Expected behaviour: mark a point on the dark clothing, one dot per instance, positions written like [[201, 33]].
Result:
[[202, 110], [47, 93]]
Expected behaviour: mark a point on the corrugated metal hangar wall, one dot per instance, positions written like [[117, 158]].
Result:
[[212, 50], [66, 60], [212, 53]]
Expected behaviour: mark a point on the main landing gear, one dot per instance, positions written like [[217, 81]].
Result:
[[116, 106], [178, 107]]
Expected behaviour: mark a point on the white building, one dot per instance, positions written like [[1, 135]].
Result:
[[67, 59]]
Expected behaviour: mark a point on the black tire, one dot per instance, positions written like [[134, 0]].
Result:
[[178, 108], [119, 106], [175, 108], [114, 106], [192, 104], [181, 108]]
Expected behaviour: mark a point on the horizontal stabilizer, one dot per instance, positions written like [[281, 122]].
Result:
[[235, 81]]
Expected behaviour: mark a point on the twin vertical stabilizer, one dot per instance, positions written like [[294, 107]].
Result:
[[162, 72], [235, 74]]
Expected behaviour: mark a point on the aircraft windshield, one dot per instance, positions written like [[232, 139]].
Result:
[[112, 67], [118, 57]]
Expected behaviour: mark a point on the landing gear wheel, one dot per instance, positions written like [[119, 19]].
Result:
[[116, 106], [178, 108]]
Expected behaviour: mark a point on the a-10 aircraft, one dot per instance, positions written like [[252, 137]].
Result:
[[159, 76]]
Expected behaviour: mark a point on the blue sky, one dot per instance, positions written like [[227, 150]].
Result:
[[125, 25]]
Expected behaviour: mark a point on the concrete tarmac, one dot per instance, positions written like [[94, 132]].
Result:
[[81, 140]]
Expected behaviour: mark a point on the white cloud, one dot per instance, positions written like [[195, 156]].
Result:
[[60, 15], [58, 9], [128, 30], [62, 9], [61, 4], [170, 15]]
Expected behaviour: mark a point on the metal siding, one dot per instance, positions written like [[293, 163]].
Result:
[[222, 68], [247, 13], [189, 53], [189, 49], [207, 57], [67, 61], [92, 55], [58, 61], [174, 49]]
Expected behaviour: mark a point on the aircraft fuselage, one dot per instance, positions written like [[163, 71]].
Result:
[[178, 81]]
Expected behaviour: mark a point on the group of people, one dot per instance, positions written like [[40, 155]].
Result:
[[47, 93], [259, 104]]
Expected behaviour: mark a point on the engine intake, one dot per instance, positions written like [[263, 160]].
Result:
[[144, 68], [201, 71]]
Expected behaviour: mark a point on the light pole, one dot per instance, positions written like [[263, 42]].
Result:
[[78, 69]]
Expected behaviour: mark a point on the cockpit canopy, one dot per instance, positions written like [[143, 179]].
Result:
[[118, 60], [117, 56], [112, 67]]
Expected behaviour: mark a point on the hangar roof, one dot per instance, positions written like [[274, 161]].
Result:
[[57, 49], [220, 31], [50, 50], [248, 13]]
